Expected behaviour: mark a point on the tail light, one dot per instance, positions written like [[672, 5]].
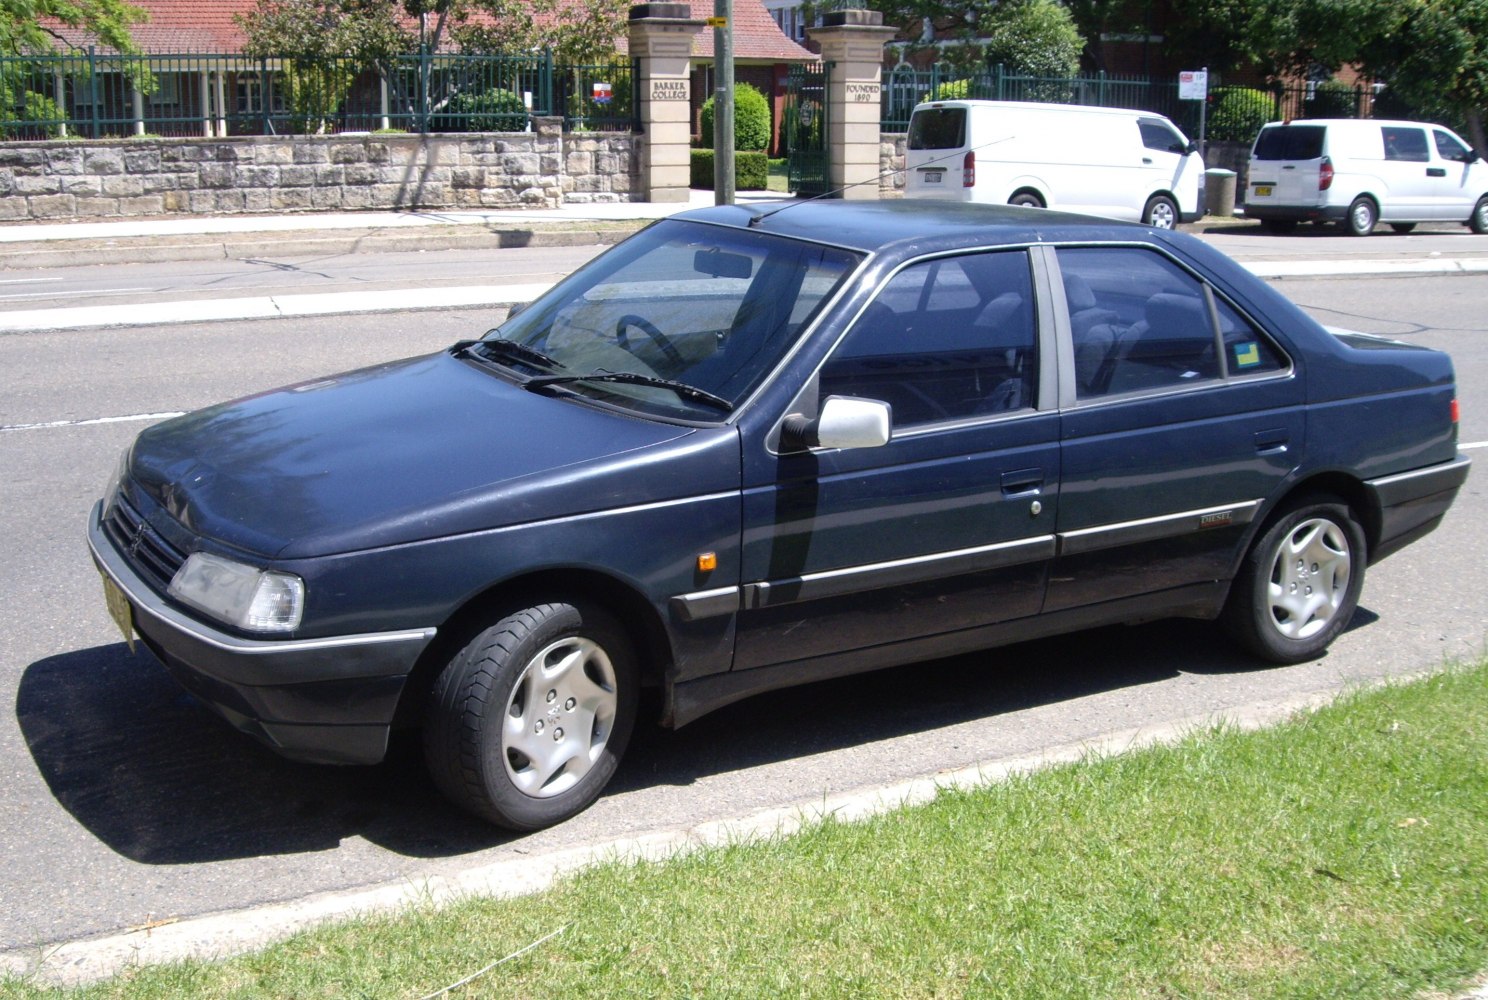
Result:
[[968, 170], [1456, 413], [1325, 174]]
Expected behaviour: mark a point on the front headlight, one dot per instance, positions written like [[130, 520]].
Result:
[[250, 598], [115, 480]]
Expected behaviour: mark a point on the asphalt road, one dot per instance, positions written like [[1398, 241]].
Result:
[[123, 802]]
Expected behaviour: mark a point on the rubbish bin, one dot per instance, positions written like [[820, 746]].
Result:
[[1219, 192]]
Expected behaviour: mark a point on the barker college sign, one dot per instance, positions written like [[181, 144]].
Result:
[[669, 90]]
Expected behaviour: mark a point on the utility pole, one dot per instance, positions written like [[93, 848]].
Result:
[[723, 101]]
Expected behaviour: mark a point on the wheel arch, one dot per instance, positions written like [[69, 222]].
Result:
[[1028, 188], [1360, 501], [639, 618]]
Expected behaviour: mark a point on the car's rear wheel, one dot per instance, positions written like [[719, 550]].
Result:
[[1403, 227], [1361, 217], [1026, 199], [1300, 582], [528, 722], [1478, 221], [1160, 212]]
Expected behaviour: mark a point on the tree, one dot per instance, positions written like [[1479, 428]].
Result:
[[1034, 37], [1433, 57], [25, 27]]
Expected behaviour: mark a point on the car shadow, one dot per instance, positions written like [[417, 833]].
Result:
[[160, 779]]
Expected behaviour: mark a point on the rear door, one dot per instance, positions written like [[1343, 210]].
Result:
[[949, 526], [1285, 164], [939, 137], [1183, 418]]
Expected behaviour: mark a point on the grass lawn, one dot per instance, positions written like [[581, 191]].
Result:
[[1342, 855]]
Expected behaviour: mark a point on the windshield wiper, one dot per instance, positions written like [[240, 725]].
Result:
[[688, 392], [509, 350]]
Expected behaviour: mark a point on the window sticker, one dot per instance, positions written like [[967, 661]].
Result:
[[1247, 355]]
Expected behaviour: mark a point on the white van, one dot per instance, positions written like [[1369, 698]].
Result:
[[1105, 161], [1358, 172]]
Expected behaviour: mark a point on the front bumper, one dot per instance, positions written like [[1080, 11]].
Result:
[[328, 700], [1411, 504]]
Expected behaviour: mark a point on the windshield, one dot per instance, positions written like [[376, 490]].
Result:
[[712, 308]]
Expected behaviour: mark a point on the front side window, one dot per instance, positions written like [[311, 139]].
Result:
[[948, 339], [1140, 323], [711, 308], [1161, 136], [1448, 147]]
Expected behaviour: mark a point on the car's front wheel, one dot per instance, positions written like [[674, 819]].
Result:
[[527, 723], [1478, 221], [1160, 212], [1299, 584]]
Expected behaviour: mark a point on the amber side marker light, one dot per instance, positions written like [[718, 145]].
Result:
[[707, 562]]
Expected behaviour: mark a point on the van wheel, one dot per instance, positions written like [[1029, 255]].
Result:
[[1299, 583], [1160, 212], [1362, 215], [1026, 199], [527, 723], [1478, 221], [1402, 227]]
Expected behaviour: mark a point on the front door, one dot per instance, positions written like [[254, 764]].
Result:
[[950, 525]]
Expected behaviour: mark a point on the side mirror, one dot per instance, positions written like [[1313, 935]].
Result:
[[844, 422], [1192, 147], [1471, 156]]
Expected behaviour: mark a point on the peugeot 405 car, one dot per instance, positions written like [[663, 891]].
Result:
[[754, 447]]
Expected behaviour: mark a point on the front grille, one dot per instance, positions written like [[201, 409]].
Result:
[[155, 559]]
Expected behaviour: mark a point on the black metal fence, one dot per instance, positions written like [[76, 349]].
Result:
[[97, 95]]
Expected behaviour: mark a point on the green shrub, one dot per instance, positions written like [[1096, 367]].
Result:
[[38, 117], [482, 111], [751, 170], [1239, 113], [751, 120]]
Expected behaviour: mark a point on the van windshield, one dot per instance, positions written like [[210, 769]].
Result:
[[938, 128], [1290, 142]]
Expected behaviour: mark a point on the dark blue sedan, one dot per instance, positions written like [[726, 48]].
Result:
[[754, 447]]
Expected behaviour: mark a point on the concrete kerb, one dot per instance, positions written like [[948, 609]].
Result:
[[221, 935]]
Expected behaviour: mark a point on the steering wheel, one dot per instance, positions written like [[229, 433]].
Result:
[[645, 326]]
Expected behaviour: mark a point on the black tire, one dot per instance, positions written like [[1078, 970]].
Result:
[[1361, 217], [1403, 227], [1478, 221], [1300, 582], [1280, 227], [1161, 212], [492, 712], [1026, 199]]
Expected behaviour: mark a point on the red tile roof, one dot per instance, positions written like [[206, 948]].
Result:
[[207, 26]]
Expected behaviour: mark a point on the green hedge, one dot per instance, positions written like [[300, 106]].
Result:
[[751, 119], [1238, 113], [751, 170]]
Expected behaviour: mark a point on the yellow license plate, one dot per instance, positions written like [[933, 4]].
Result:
[[1263, 190], [119, 610]]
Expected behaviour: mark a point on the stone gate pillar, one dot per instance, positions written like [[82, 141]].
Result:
[[661, 40], [852, 41]]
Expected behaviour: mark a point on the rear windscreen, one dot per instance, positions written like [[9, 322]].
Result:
[[938, 128], [1290, 142]]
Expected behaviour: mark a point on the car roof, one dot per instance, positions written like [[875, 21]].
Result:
[[907, 227]]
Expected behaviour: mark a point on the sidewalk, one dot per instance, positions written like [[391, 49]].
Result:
[[29, 246]]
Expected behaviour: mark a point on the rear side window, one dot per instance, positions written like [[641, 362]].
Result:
[[1405, 144], [938, 128], [1290, 142]]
